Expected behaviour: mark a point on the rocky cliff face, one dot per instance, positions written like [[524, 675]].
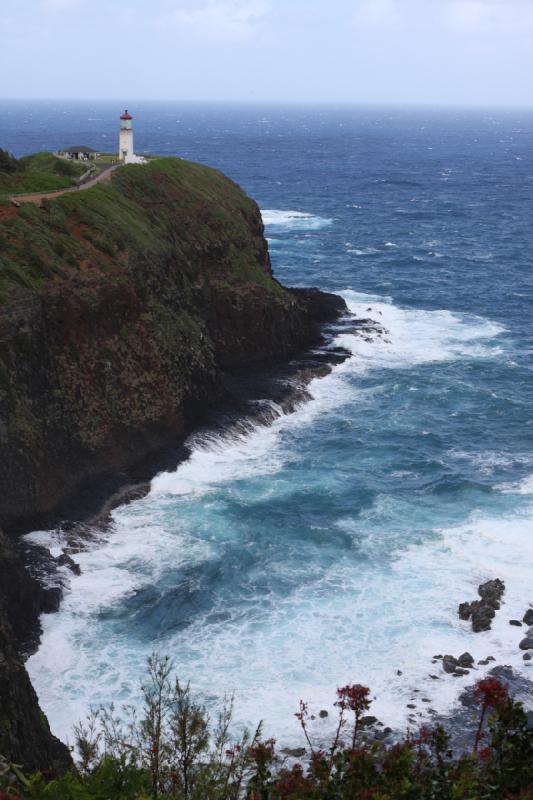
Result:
[[124, 306], [121, 308], [25, 736]]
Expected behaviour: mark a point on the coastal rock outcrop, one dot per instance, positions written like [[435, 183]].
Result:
[[120, 310], [483, 611], [25, 736]]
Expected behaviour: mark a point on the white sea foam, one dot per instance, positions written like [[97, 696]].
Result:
[[523, 487], [367, 251], [298, 220], [349, 624], [418, 336]]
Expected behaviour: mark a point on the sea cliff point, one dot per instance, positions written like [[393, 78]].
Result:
[[123, 309]]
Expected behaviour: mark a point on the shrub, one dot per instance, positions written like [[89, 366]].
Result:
[[171, 750]]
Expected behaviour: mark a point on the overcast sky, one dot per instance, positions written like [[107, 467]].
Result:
[[476, 52]]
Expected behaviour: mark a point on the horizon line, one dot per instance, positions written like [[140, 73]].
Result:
[[398, 105]]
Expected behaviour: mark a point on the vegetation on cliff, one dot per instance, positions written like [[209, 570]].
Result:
[[122, 305], [40, 172], [171, 750]]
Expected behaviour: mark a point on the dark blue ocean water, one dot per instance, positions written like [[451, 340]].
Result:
[[335, 545]]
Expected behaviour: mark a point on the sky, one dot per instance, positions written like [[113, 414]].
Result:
[[408, 52]]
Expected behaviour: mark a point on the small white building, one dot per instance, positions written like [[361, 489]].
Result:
[[78, 153], [126, 152]]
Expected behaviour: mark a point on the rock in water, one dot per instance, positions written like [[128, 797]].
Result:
[[528, 617], [449, 664], [483, 611], [466, 661]]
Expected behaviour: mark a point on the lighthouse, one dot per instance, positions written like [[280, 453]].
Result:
[[125, 150]]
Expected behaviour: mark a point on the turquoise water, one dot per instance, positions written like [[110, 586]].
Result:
[[335, 545]]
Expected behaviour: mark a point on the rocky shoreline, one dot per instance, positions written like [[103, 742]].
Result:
[[248, 400], [462, 721]]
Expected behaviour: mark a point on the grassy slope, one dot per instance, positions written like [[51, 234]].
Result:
[[41, 172], [141, 209]]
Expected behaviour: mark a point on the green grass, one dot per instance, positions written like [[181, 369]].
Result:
[[41, 172], [168, 210]]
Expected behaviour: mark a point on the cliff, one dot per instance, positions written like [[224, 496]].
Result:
[[25, 736], [122, 308]]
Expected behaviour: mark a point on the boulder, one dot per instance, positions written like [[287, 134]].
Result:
[[294, 752], [449, 664], [466, 661], [65, 560], [515, 622], [492, 591], [527, 643], [465, 611], [482, 611], [528, 616]]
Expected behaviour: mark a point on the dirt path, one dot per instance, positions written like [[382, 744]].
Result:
[[104, 175]]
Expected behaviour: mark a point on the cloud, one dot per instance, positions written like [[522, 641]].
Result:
[[222, 20], [467, 17], [502, 17]]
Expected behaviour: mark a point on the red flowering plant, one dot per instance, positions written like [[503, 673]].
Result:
[[354, 698], [490, 693]]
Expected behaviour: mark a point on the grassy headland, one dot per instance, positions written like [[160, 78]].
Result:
[[40, 172]]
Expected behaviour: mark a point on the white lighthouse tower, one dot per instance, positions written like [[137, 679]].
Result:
[[125, 150]]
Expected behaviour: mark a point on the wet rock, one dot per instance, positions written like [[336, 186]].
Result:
[[65, 560], [483, 611], [439, 656], [52, 599], [459, 672], [399, 672], [482, 616], [434, 677], [527, 643], [528, 616], [492, 591], [515, 622], [294, 752], [411, 705], [449, 664], [368, 721], [323, 714], [527, 656], [466, 661], [379, 736]]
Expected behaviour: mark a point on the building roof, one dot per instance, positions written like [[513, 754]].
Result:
[[78, 149], [126, 115]]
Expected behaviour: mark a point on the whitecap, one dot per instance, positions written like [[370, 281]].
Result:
[[299, 220], [368, 251], [523, 487]]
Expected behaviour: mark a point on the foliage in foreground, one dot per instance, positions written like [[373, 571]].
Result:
[[171, 750]]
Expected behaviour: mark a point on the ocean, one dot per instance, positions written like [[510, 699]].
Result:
[[335, 545]]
